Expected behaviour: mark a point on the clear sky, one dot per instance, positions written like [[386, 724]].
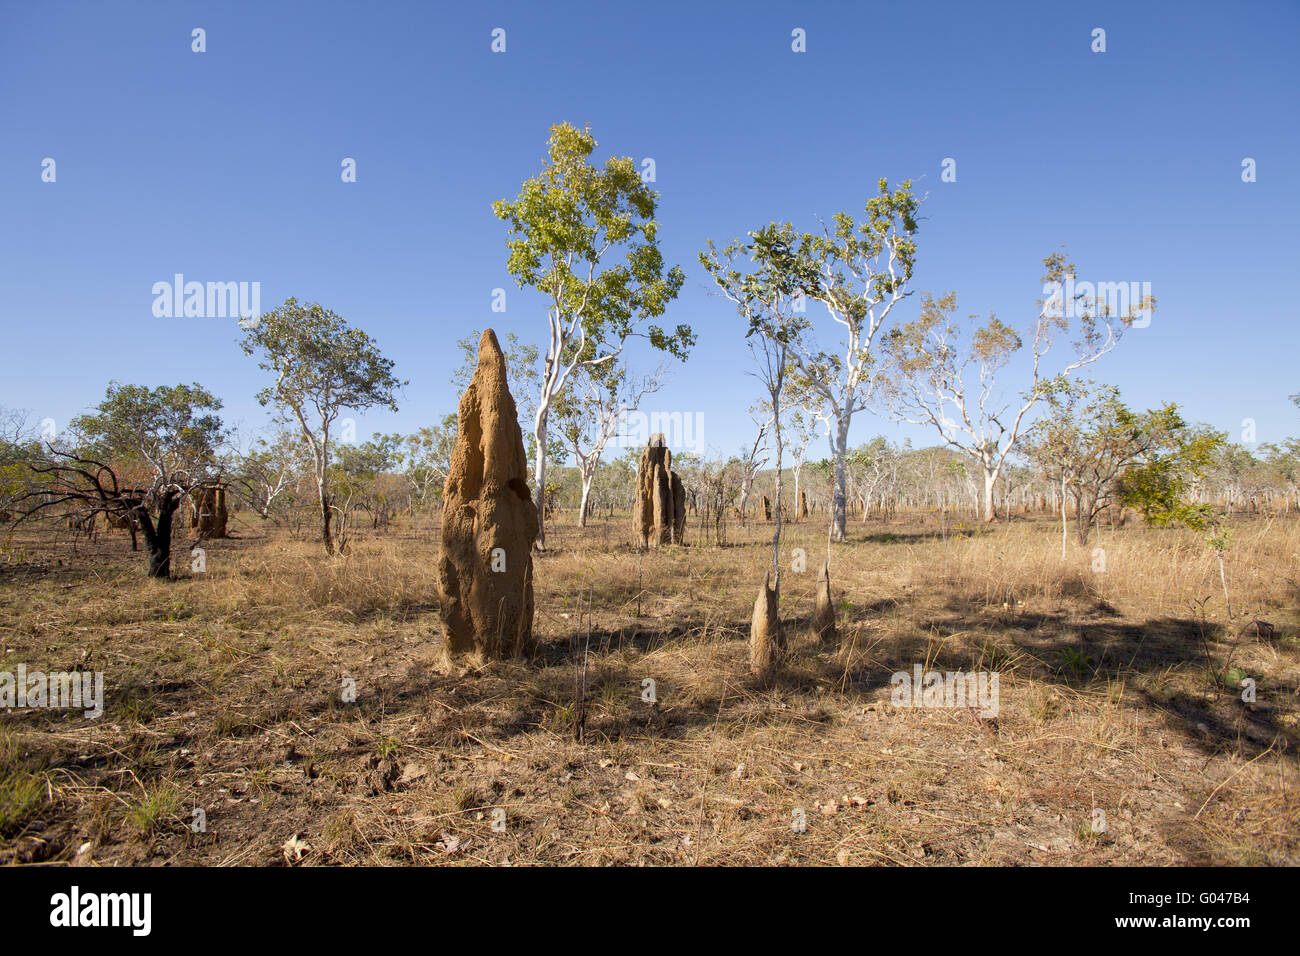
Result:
[[225, 166]]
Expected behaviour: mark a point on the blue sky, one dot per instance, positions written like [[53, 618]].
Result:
[[225, 166]]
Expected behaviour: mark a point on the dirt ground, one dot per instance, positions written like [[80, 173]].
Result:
[[1121, 735]]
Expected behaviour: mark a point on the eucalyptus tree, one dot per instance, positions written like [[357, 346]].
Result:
[[859, 272], [267, 471], [426, 458], [322, 367], [946, 376], [805, 415], [565, 226], [752, 458], [19, 442], [1102, 453], [589, 413], [873, 471], [756, 277], [364, 476], [1284, 461]]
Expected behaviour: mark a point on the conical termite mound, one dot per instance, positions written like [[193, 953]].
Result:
[[823, 619], [766, 636], [489, 522]]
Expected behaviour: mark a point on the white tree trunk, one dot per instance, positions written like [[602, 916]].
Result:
[[588, 473], [1064, 519], [539, 469], [840, 452], [990, 480]]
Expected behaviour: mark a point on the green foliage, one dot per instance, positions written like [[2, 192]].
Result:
[[1104, 452], [22, 795], [765, 278], [154, 808], [567, 227], [564, 223], [15, 452], [1227, 677], [266, 475], [321, 366], [320, 362], [172, 429], [370, 459], [840, 254], [1076, 662], [1180, 457], [363, 475], [858, 271]]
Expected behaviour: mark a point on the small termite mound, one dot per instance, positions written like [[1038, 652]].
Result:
[[823, 619], [766, 636]]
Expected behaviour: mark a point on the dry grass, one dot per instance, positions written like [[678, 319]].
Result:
[[224, 693]]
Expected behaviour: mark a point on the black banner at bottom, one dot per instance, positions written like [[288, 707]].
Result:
[[171, 905]]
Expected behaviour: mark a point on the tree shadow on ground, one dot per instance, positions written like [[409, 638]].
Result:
[[1180, 655], [1057, 646], [1089, 646], [912, 537]]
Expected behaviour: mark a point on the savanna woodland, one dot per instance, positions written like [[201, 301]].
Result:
[[551, 625]]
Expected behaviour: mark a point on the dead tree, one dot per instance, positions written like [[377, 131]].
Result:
[[80, 488]]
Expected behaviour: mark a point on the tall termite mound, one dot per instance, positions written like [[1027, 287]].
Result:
[[767, 509], [803, 504], [489, 522], [766, 636], [823, 619], [660, 513]]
